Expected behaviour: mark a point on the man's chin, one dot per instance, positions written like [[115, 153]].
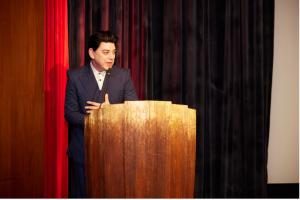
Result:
[[107, 68]]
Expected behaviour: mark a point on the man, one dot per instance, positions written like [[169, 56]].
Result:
[[92, 87]]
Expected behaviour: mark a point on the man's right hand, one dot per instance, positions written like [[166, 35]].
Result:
[[92, 106]]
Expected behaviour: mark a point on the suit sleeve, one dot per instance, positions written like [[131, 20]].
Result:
[[72, 108], [130, 93]]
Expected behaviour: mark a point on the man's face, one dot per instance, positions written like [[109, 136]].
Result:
[[104, 57]]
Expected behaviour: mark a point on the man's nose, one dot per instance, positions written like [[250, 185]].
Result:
[[111, 55]]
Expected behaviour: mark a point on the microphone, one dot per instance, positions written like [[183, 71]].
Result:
[[106, 81], [108, 71]]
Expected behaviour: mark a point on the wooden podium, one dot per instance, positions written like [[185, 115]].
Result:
[[141, 149]]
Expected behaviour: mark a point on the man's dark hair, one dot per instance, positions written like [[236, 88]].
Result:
[[101, 36]]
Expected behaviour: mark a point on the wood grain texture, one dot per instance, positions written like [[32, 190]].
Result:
[[141, 149], [21, 98]]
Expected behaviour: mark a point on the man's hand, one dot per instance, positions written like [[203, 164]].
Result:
[[94, 105], [106, 101]]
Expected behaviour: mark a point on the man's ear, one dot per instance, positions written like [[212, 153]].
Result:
[[91, 53]]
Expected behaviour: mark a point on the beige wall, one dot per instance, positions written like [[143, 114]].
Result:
[[284, 133]]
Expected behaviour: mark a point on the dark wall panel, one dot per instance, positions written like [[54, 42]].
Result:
[[21, 98]]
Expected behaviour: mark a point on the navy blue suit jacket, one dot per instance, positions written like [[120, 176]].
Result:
[[82, 87]]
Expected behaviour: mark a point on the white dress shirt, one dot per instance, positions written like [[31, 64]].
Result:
[[99, 76]]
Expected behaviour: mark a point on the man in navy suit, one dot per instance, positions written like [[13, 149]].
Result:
[[92, 87]]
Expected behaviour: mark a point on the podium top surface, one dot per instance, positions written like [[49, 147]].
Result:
[[150, 102]]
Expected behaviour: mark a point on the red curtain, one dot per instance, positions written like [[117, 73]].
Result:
[[56, 65]]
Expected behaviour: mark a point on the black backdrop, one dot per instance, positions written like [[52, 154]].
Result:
[[215, 56]]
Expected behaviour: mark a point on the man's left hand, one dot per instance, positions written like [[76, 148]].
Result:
[[94, 105], [106, 102]]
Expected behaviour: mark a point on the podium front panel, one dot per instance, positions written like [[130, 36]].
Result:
[[141, 149]]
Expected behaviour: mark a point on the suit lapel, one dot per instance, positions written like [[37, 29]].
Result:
[[90, 84], [109, 75]]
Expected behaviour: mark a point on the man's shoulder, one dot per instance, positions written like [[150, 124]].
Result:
[[76, 72], [120, 70]]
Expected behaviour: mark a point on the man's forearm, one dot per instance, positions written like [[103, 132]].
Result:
[[75, 118]]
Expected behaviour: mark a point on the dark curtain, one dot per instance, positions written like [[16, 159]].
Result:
[[214, 56]]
